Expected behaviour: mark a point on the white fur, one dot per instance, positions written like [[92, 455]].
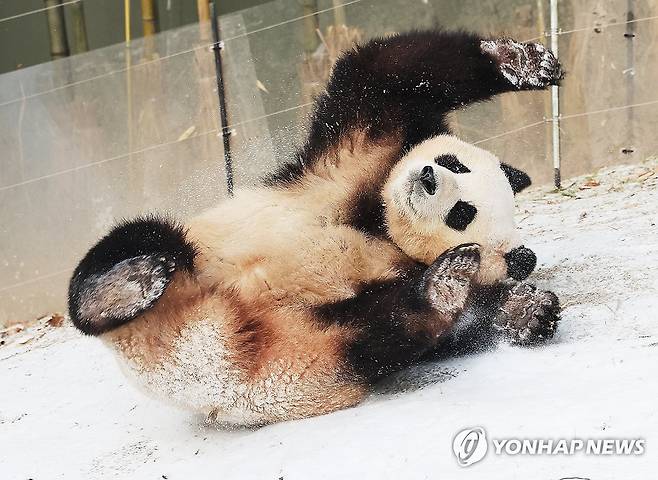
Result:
[[486, 187]]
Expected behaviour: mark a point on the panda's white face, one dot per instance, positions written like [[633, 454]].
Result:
[[446, 192]]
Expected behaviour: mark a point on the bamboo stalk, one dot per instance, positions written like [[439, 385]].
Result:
[[126, 20], [149, 18], [126, 17], [59, 45], [311, 25], [149, 27], [203, 9], [339, 13], [80, 42]]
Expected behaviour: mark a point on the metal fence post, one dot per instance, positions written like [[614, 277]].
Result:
[[555, 99], [223, 116]]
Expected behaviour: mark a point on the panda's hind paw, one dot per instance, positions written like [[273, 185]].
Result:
[[527, 315], [524, 65]]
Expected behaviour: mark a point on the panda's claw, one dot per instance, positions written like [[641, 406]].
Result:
[[524, 65]]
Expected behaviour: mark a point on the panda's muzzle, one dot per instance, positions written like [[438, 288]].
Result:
[[427, 180]]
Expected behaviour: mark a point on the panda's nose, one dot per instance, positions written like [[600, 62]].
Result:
[[427, 180]]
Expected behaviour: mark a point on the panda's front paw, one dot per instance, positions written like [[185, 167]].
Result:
[[528, 315], [524, 65], [446, 282]]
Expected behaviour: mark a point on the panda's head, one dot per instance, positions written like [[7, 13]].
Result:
[[446, 192]]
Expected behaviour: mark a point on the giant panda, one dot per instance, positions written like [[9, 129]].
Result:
[[360, 257]]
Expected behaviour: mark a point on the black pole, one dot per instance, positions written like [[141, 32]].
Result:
[[630, 76], [223, 117]]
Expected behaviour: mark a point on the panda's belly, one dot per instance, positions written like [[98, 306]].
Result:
[[319, 264], [197, 357], [290, 254]]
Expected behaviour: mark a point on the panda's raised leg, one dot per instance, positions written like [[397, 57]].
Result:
[[405, 84], [396, 323], [126, 273]]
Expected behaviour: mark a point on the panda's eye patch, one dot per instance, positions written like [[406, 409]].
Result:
[[461, 215], [451, 163]]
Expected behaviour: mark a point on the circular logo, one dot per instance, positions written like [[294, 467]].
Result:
[[470, 446]]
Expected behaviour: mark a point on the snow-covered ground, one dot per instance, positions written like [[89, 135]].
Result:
[[67, 412]]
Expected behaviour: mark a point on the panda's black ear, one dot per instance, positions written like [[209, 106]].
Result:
[[517, 179]]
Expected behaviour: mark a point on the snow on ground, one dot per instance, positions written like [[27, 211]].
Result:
[[67, 412]]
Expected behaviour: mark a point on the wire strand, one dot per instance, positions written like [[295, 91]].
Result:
[[102, 75], [166, 57], [35, 279], [607, 25], [38, 10], [611, 109], [285, 22], [509, 132], [569, 116], [591, 27], [149, 148], [262, 117], [105, 160], [209, 45]]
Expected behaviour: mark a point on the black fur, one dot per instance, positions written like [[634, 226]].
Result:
[[520, 262], [403, 85], [367, 213], [385, 345], [381, 312], [395, 320], [517, 179], [151, 247], [452, 163], [461, 215], [286, 175], [474, 331]]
